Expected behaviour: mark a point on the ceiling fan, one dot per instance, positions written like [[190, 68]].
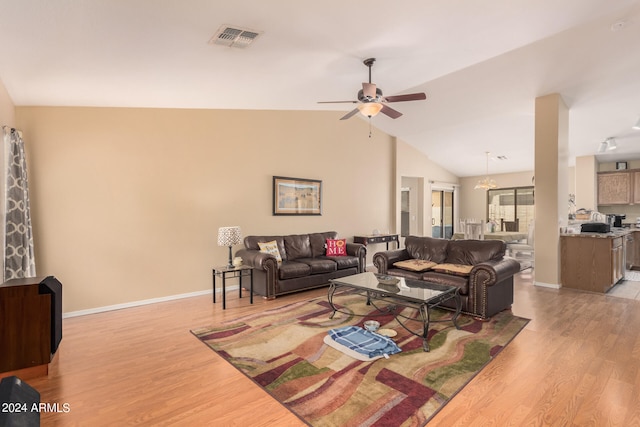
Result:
[[371, 101]]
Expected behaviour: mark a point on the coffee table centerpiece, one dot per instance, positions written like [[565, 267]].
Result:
[[398, 291]]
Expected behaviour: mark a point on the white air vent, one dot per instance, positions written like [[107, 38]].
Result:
[[234, 37]]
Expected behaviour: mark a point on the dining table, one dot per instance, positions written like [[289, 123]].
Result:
[[507, 236]]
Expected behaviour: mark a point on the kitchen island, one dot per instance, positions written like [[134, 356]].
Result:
[[593, 261]]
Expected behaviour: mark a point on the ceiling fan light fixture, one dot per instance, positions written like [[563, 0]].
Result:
[[370, 109]]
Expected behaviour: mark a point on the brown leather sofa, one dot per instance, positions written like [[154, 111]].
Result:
[[304, 263], [484, 290]]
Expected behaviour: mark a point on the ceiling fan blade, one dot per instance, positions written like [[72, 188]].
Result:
[[394, 114], [350, 114], [408, 97], [369, 90], [337, 102]]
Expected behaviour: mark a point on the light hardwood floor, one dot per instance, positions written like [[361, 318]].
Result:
[[576, 363]]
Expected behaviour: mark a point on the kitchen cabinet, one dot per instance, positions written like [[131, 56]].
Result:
[[616, 188], [636, 250], [592, 262], [630, 249], [636, 186], [619, 187]]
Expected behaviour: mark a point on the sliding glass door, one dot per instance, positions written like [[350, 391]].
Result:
[[442, 214]]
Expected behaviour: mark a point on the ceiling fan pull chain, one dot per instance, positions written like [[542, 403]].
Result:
[[369, 126]]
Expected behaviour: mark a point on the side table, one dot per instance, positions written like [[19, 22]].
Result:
[[232, 272]]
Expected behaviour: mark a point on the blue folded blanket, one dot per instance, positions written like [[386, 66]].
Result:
[[364, 342]]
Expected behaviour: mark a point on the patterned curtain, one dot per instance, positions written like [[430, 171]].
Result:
[[19, 259]]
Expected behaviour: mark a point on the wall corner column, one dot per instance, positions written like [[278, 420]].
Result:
[[551, 185]]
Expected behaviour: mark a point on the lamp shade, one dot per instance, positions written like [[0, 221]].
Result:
[[370, 109], [229, 236]]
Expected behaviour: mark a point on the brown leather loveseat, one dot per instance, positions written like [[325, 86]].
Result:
[[476, 267], [304, 265]]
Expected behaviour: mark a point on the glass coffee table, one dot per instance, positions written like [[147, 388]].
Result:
[[398, 291]]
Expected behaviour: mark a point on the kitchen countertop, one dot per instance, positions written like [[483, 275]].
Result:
[[615, 232]]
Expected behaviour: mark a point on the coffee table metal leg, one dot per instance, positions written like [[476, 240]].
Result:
[[240, 284], [332, 290], [424, 312], [214, 286], [458, 310]]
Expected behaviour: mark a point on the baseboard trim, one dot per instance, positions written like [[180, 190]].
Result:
[[142, 302], [547, 285]]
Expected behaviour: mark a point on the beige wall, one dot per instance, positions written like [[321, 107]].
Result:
[[552, 189], [7, 109], [412, 163], [474, 202], [127, 202]]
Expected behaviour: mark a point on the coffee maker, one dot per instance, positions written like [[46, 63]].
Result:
[[617, 221]]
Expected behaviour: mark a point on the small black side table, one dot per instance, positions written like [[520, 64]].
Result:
[[231, 272]]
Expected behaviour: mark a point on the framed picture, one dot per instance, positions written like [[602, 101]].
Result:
[[621, 165], [296, 196]]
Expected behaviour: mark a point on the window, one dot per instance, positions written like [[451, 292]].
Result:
[[511, 204]]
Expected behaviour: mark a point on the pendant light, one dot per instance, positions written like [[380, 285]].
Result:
[[486, 183]]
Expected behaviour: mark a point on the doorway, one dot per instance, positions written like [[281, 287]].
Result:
[[442, 214], [412, 201]]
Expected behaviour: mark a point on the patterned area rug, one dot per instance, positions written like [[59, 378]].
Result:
[[283, 351]]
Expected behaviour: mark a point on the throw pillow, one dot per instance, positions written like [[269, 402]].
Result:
[[455, 269], [336, 247], [415, 264], [271, 248]]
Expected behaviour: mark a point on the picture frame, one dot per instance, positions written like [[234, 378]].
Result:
[[296, 196], [621, 165]]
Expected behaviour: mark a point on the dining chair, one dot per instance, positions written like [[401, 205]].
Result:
[[509, 225], [526, 247], [474, 230]]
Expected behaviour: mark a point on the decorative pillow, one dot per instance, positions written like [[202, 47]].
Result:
[[455, 269], [415, 264], [336, 247], [271, 248]]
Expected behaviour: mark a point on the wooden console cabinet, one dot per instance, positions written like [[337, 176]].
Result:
[[591, 263], [30, 319]]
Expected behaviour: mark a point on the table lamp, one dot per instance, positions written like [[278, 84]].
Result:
[[229, 236]]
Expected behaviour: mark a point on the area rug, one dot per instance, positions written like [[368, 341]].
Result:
[[282, 350]]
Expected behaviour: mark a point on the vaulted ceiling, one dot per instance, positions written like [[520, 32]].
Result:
[[481, 64]]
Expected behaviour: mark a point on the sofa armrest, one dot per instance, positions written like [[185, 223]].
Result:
[[258, 260], [489, 273], [358, 250], [266, 264], [384, 260]]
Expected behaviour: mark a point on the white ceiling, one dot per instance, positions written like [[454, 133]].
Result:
[[482, 64]]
